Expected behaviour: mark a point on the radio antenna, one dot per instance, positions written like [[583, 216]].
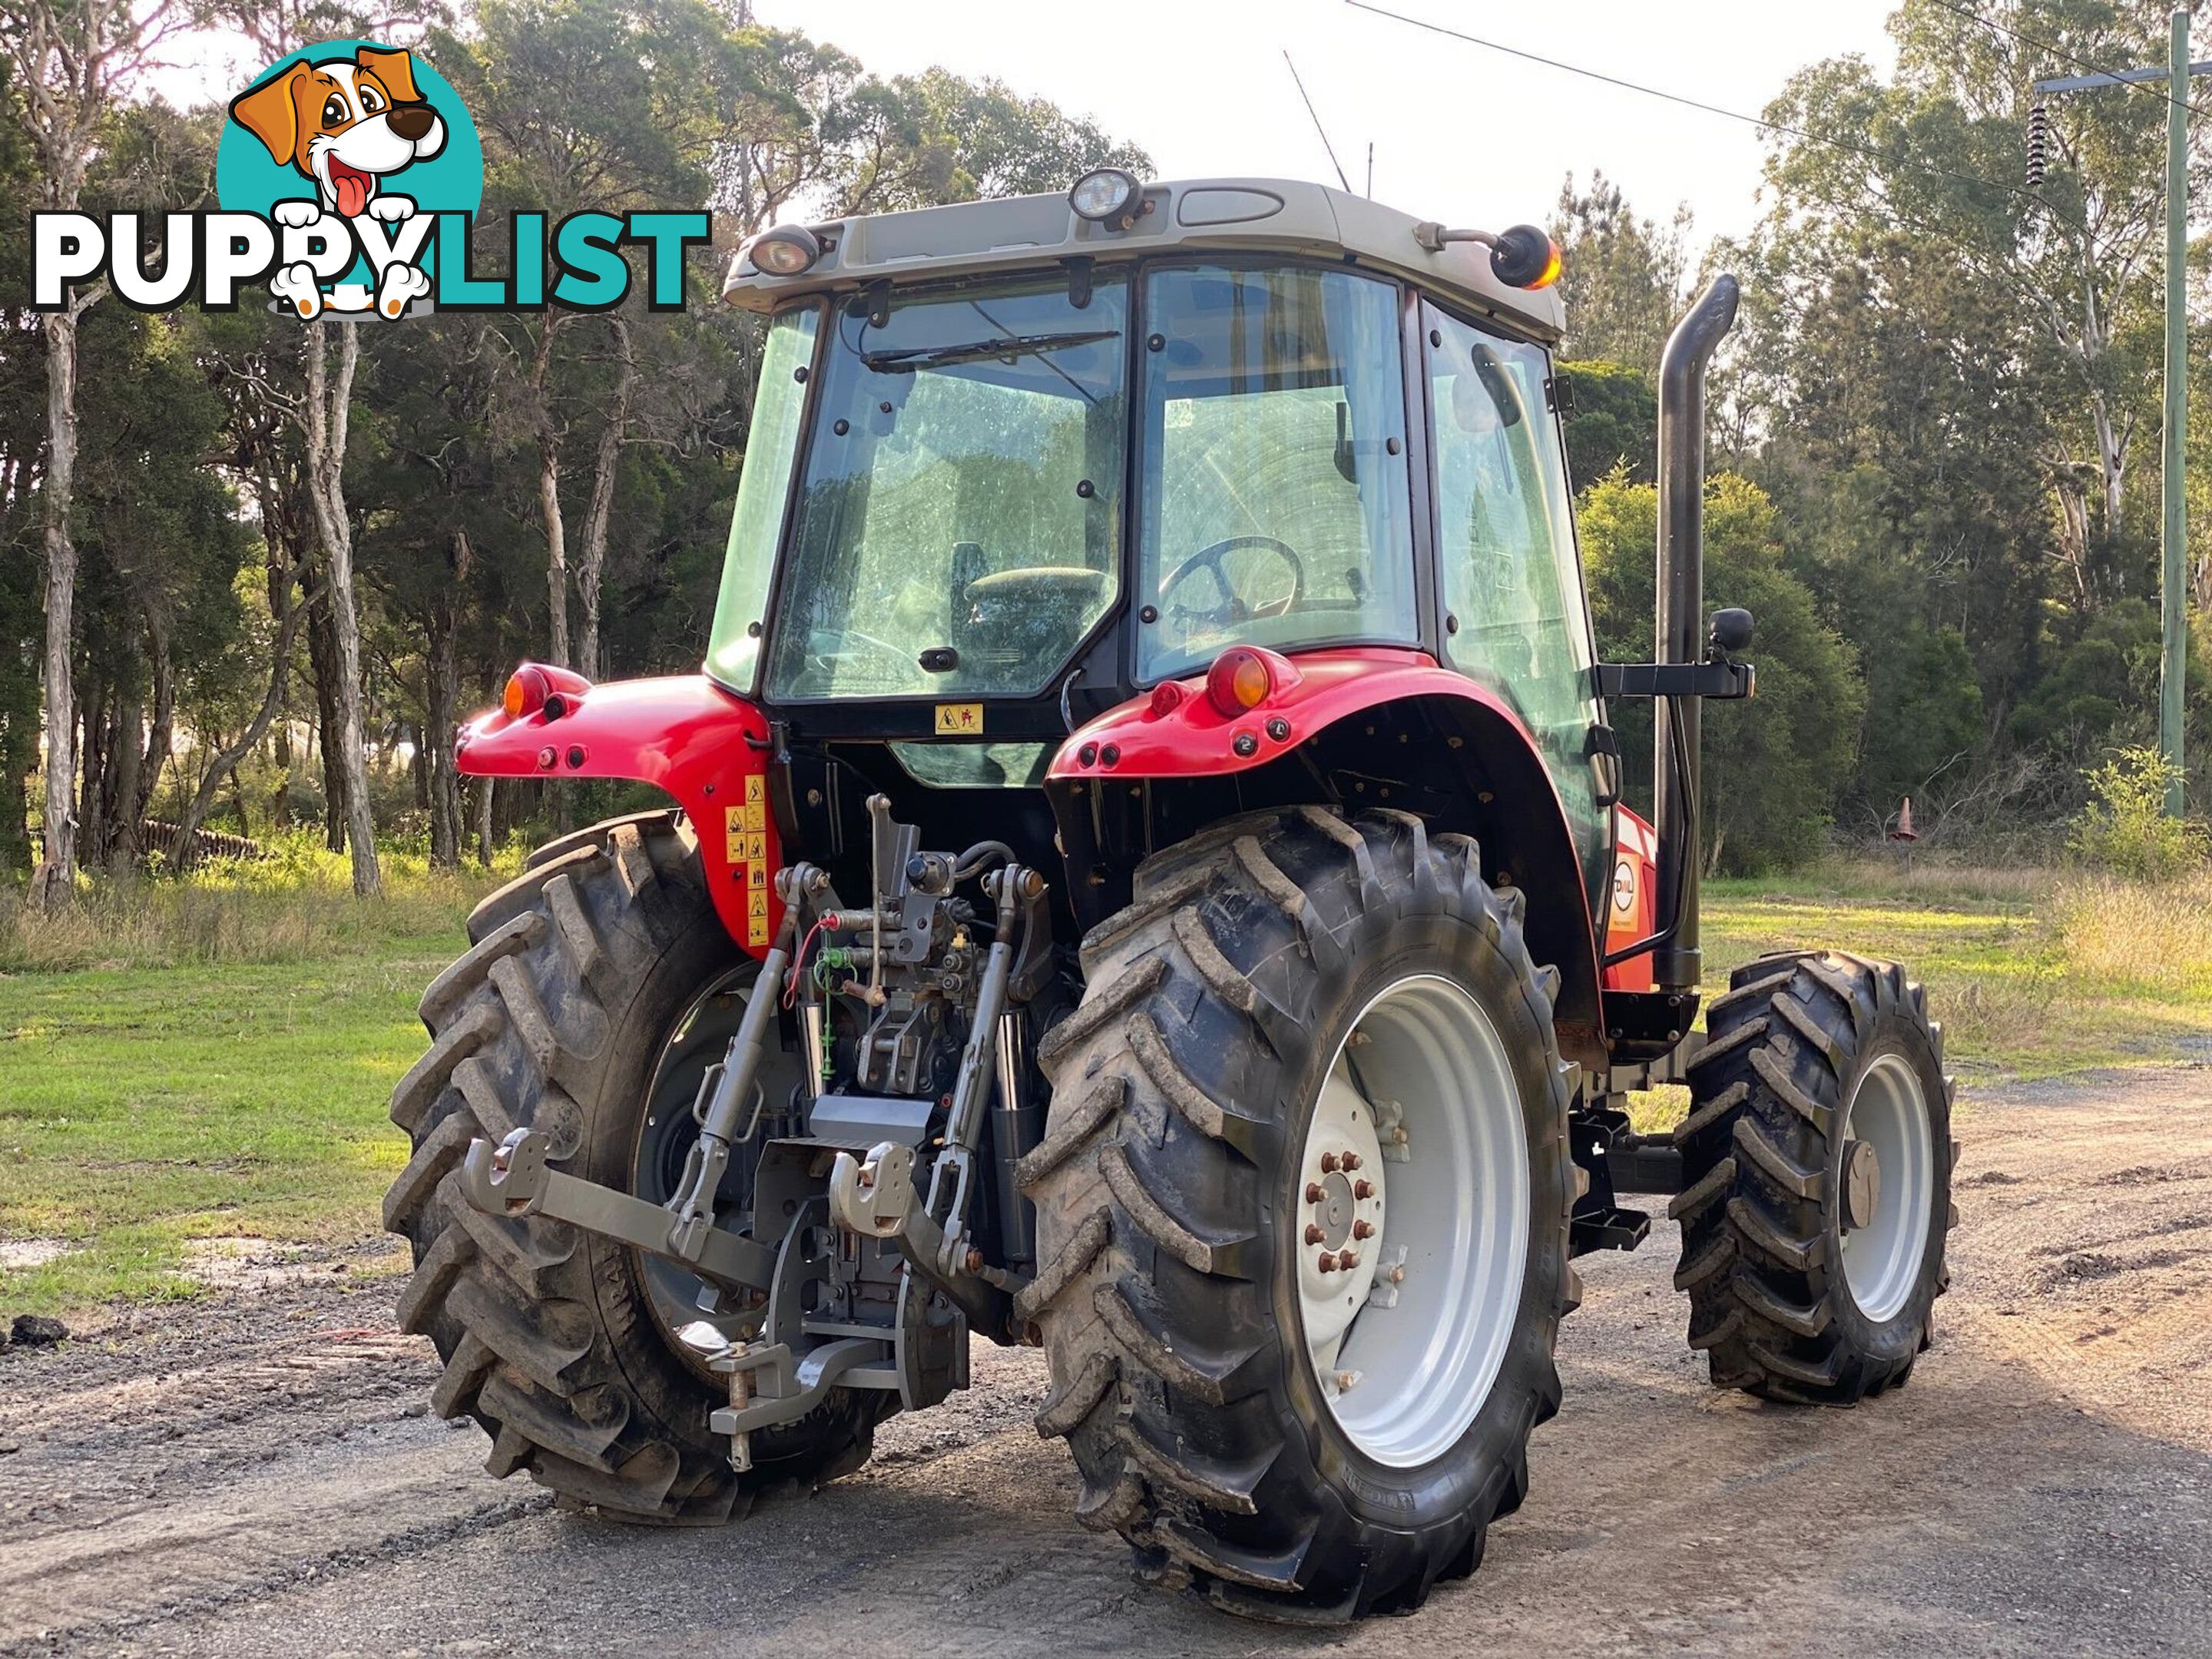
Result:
[[1318, 128]]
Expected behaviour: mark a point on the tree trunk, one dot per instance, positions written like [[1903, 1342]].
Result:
[[19, 761], [118, 835], [139, 772], [323, 662], [557, 551], [329, 406], [89, 815], [606, 470], [2073, 532], [483, 823], [55, 880], [281, 546], [549, 492], [442, 690], [224, 763]]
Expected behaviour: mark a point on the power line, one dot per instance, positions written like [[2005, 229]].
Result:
[[1992, 25], [1864, 150], [1318, 128]]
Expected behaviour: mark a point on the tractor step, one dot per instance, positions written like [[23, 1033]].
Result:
[[1608, 1230]]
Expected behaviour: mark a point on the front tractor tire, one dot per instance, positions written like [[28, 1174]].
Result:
[[579, 1010], [1302, 1212], [1816, 1169]]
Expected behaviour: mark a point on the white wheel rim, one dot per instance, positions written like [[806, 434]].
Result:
[[1889, 1111], [1406, 1343]]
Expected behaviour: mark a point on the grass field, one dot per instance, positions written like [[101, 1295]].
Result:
[[182, 1069]]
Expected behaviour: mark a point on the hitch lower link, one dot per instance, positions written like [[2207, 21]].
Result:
[[513, 1179]]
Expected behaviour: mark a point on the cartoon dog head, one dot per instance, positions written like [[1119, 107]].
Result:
[[345, 123]]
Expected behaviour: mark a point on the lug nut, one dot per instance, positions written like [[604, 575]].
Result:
[[1348, 1260], [1314, 1193], [1352, 1160], [1362, 1189], [1315, 1232], [1363, 1229], [1328, 1263], [1330, 1162]]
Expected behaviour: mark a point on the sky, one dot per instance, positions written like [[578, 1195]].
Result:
[[1460, 134]]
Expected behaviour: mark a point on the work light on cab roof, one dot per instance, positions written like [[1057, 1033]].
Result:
[[785, 250], [1105, 195]]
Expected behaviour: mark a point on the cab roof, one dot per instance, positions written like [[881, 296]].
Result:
[[1193, 216]]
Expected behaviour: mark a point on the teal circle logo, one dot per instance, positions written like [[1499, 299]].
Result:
[[359, 131]]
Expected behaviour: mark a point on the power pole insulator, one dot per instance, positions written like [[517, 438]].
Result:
[[2039, 144]]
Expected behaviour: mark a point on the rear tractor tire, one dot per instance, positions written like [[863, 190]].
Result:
[[1816, 1169], [597, 988], [1302, 1212]]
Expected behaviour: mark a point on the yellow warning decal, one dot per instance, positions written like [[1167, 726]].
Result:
[[959, 720], [744, 831]]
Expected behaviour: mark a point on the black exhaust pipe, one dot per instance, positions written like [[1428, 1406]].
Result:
[[1677, 964]]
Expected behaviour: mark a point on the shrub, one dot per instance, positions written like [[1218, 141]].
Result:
[[2125, 831], [1774, 767], [294, 904]]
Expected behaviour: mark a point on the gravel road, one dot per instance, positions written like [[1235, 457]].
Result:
[[256, 1475]]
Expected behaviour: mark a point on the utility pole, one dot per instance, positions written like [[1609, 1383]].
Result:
[[2174, 520]]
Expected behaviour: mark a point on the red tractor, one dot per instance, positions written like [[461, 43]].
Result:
[[1146, 879]]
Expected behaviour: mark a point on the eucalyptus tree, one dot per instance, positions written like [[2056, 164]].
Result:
[[1935, 155], [1623, 278], [72, 63], [579, 110]]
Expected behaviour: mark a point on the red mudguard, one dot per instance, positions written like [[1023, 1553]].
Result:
[[706, 747], [1180, 733]]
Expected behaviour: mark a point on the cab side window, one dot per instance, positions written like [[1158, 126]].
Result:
[[1512, 592]]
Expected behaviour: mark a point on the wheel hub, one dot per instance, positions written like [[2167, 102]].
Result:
[[1887, 1206], [1411, 1221], [1335, 1210], [1862, 1184], [1340, 1214]]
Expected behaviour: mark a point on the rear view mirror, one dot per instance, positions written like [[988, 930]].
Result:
[[1731, 631]]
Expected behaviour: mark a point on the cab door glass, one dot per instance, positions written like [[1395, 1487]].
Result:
[[1277, 508], [1511, 578]]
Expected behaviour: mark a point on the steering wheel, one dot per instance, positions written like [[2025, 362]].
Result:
[[1232, 611]]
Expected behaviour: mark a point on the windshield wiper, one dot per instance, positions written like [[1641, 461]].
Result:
[[907, 360]]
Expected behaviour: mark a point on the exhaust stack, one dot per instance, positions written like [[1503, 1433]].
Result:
[[1676, 965]]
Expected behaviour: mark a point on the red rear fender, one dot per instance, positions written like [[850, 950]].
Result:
[[1487, 758], [706, 747]]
